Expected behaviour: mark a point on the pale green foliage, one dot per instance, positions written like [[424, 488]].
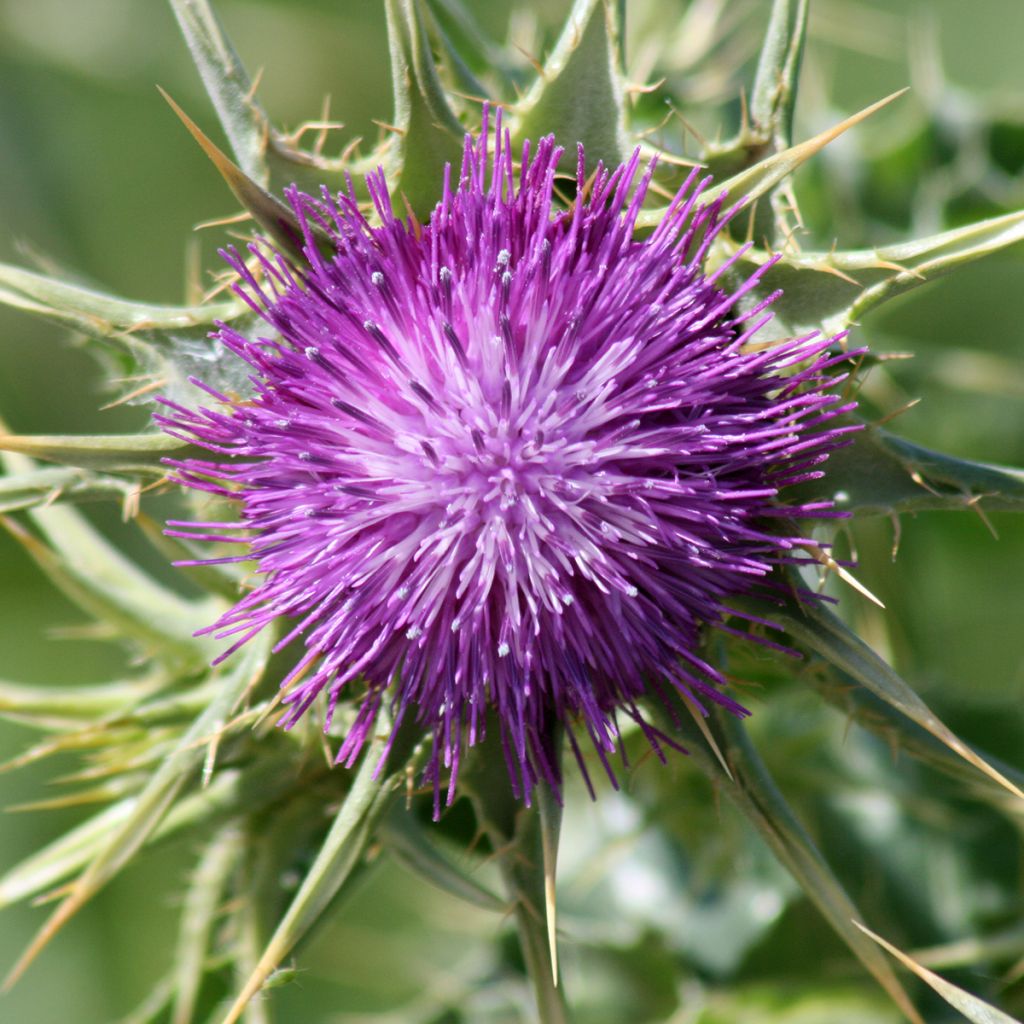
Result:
[[182, 748]]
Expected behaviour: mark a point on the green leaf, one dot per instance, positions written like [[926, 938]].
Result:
[[882, 474], [157, 347], [112, 453], [146, 812], [487, 54], [973, 1008], [111, 588], [461, 75], [228, 85], [816, 627], [73, 703], [579, 94], [231, 792], [771, 109], [899, 733], [428, 134], [831, 291]]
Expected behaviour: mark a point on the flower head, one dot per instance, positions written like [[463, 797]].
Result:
[[506, 465]]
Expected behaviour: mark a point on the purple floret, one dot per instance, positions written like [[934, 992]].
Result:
[[505, 466]]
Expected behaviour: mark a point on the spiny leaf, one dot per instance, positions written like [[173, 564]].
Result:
[[760, 179], [815, 626], [892, 726], [752, 789], [99, 314], [157, 347], [831, 291], [489, 55], [46, 486], [153, 802], [881, 474], [107, 584], [268, 211], [113, 453], [462, 77], [228, 85], [974, 1009], [74, 703], [407, 841], [428, 134], [341, 852], [579, 95], [231, 792]]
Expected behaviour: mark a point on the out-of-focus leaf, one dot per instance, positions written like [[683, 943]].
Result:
[[751, 787], [152, 1008], [407, 841], [230, 792], [227, 84], [774, 91], [1008, 942], [973, 1008], [156, 798], [900, 733], [47, 486], [199, 913], [223, 580], [111, 453], [879, 473], [785, 1004], [107, 585], [73, 703], [429, 134], [578, 95]]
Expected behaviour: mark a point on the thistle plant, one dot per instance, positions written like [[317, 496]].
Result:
[[499, 464]]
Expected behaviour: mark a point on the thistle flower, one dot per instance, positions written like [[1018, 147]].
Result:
[[520, 462], [512, 459]]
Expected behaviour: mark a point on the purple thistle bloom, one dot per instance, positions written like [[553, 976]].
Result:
[[511, 461]]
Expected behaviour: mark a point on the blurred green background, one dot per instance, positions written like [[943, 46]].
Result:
[[98, 177]]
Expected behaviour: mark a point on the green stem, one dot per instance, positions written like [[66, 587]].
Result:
[[522, 868], [517, 835]]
